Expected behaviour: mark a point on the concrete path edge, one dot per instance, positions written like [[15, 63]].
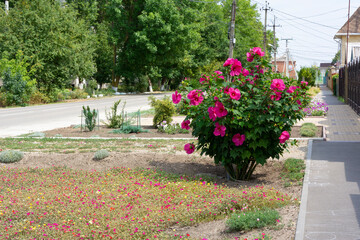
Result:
[[300, 226]]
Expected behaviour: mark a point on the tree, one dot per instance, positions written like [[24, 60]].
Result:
[[336, 58], [60, 45], [309, 74]]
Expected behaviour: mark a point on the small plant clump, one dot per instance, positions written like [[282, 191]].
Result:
[[128, 129], [114, 118], [253, 219], [101, 154], [164, 110], [293, 171], [308, 130], [174, 128], [11, 156], [90, 118]]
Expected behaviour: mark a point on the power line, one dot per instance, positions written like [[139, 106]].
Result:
[[320, 14]]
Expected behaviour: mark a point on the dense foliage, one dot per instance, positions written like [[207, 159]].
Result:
[[309, 74], [136, 45], [243, 121]]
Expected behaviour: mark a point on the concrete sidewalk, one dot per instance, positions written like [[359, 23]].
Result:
[[330, 203]]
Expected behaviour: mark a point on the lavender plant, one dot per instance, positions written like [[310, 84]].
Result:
[[316, 108]]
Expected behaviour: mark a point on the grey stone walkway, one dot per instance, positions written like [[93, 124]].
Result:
[[330, 203], [342, 123]]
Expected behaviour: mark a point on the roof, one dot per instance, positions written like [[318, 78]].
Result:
[[325, 65], [354, 25]]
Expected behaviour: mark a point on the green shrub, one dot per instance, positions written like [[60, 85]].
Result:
[[171, 128], [10, 156], [308, 130], [101, 154], [90, 118], [164, 110], [78, 94], [128, 129], [38, 97], [15, 89], [253, 219], [115, 119]]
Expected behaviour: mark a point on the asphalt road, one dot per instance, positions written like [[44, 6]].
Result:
[[21, 120]]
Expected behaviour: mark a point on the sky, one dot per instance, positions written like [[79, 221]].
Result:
[[311, 24]]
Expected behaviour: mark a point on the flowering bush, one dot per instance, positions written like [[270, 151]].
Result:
[[316, 108], [244, 120]]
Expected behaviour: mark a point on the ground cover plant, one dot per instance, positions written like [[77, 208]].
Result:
[[293, 171], [116, 204], [316, 108], [308, 130], [242, 121]]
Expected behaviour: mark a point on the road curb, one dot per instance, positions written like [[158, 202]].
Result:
[[300, 226]]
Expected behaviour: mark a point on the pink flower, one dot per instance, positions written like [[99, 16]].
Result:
[[234, 93], [291, 89], [176, 97], [245, 72], [257, 51], [298, 102], [218, 72], [277, 96], [212, 114], [284, 136], [219, 130], [195, 97], [304, 82], [222, 77], [277, 84], [249, 57], [185, 124], [189, 148], [238, 139], [220, 110], [236, 68], [226, 90], [228, 62], [202, 80]]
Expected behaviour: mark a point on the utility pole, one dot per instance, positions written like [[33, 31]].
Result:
[[275, 48], [232, 30], [287, 56], [6, 7], [266, 8], [346, 93]]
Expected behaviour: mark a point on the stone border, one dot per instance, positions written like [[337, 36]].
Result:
[[300, 226]]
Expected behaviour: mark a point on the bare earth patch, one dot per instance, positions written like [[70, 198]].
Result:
[[191, 165], [103, 131]]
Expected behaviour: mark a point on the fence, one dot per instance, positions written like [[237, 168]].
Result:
[[353, 85]]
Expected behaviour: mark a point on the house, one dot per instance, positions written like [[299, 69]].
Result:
[[323, 68], [354, 38], [281, 68]]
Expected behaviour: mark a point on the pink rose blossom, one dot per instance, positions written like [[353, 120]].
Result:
[[202, 80], [277, 84], [228, 62], [189, 148], [257, 51], [218, 72], [222, 77], [284, 136], [220, 110], [277, 96], [249, 57], [298, 102], [185, 124], [245, 72], [196, 97], [219, 130], [176, 97], [226, 90], [236, 68], [238, 139], [212, 115], [234, 93], [304, 82], [291, 89]]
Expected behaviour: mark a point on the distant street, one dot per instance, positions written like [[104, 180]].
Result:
[[21, 120]]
